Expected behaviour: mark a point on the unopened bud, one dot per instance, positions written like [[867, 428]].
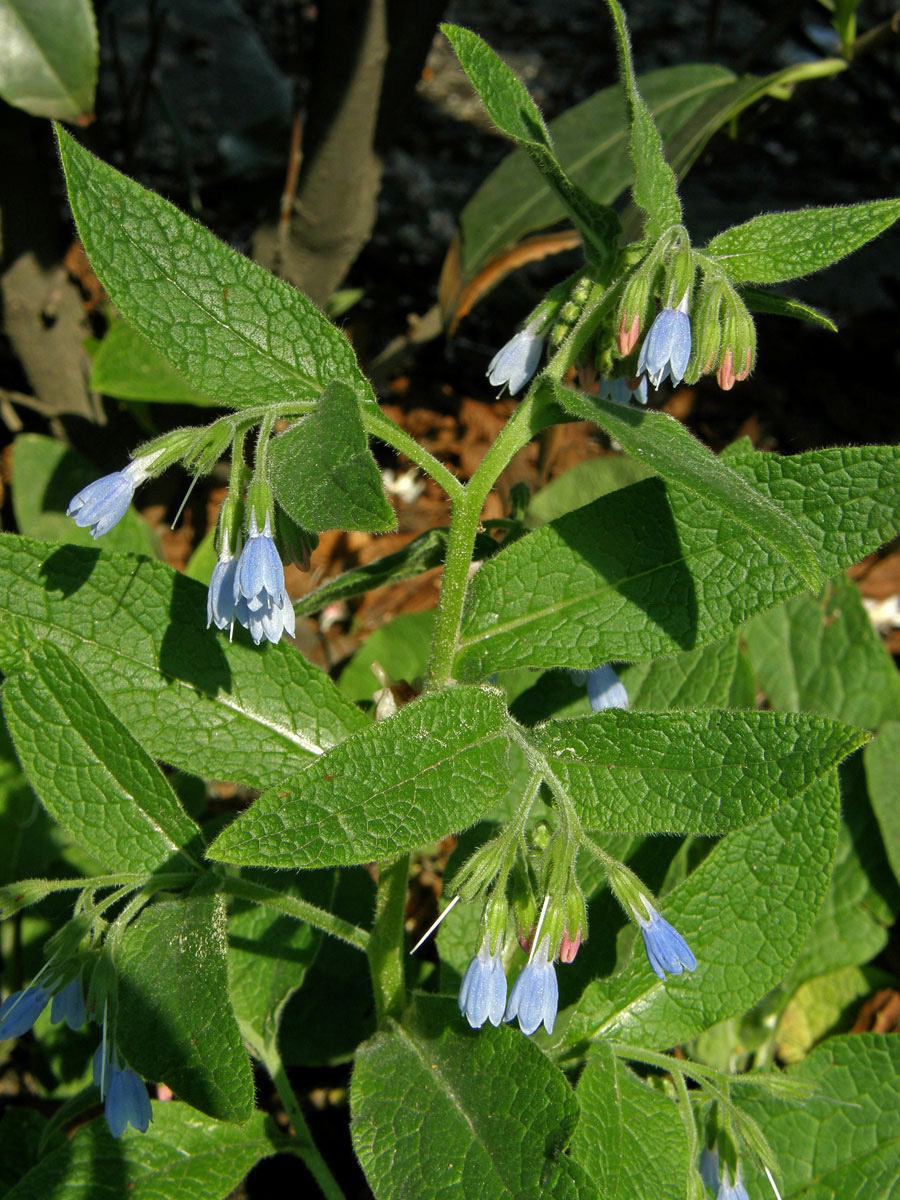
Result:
[[627, 338], [569, 946], [725, 374]]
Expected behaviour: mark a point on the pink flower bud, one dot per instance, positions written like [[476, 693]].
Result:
[[568, 947], [627, 338], [725, 374]]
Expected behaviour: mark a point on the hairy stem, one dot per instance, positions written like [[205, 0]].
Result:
[[306, 1147], [300, 910], [385, 949], [389, 431]]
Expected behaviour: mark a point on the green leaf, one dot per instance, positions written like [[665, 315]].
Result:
[[745, 912], [183, 1154], [651, 570], [821, 654], [401, 647], [665, 445], [862, 900], [91, 775], [591, 141], [515, 114], [269, 954], [236, 333], [716, 676], [779, 246], [502, 93], [175, 1021], [845, 1140], [45, 477], [630, 1138], [654, 187], [785, 306], [692, 772], [586, 481], [826, 1004], [472, 1114], [330, 1014], [323, 471], [192, 698], [49, 61], [126, 366], [882, 760], [433, 768]]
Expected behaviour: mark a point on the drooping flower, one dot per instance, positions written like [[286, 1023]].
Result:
[[709, 1167], [220, 597], [261, 602], [482, 995], [535, 994], [667, 951], [20, 1010], [103, 503], [667, 347], [729, 1190], [516, 362], [605, 689], [621, 390], [123, 1091], [68, 1005]]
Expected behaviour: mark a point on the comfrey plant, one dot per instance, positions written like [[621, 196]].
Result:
[[592, 803]]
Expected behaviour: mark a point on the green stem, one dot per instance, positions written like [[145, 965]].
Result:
[[464, 525], [306, 1147], [300, 910], [385, 949], [390, 432]]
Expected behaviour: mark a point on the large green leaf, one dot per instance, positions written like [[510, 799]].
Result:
[[222, 709], [440, 1110], [651, 570], [630, 1138], [779, 246], [91, 775], [844, 1141], [49, 60], [693, 772], [175, 1021], [745, 912], [716, 676], [323, 471], [236, 333], [882, 759], [183, 1154], [45, 477], [665, 445], [821, 654], [269, 954], [126, 366], [433, 768]]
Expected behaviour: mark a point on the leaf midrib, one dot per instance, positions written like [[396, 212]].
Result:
[[256, 350]]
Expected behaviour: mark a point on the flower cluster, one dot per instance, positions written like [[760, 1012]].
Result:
[[123, 1091], [533, 999], [250, 588]]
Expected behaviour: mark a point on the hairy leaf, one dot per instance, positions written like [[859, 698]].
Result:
[[236, 333], [470, 1114], [434, 768], [692, 772], [91, 775], [227, 710]]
